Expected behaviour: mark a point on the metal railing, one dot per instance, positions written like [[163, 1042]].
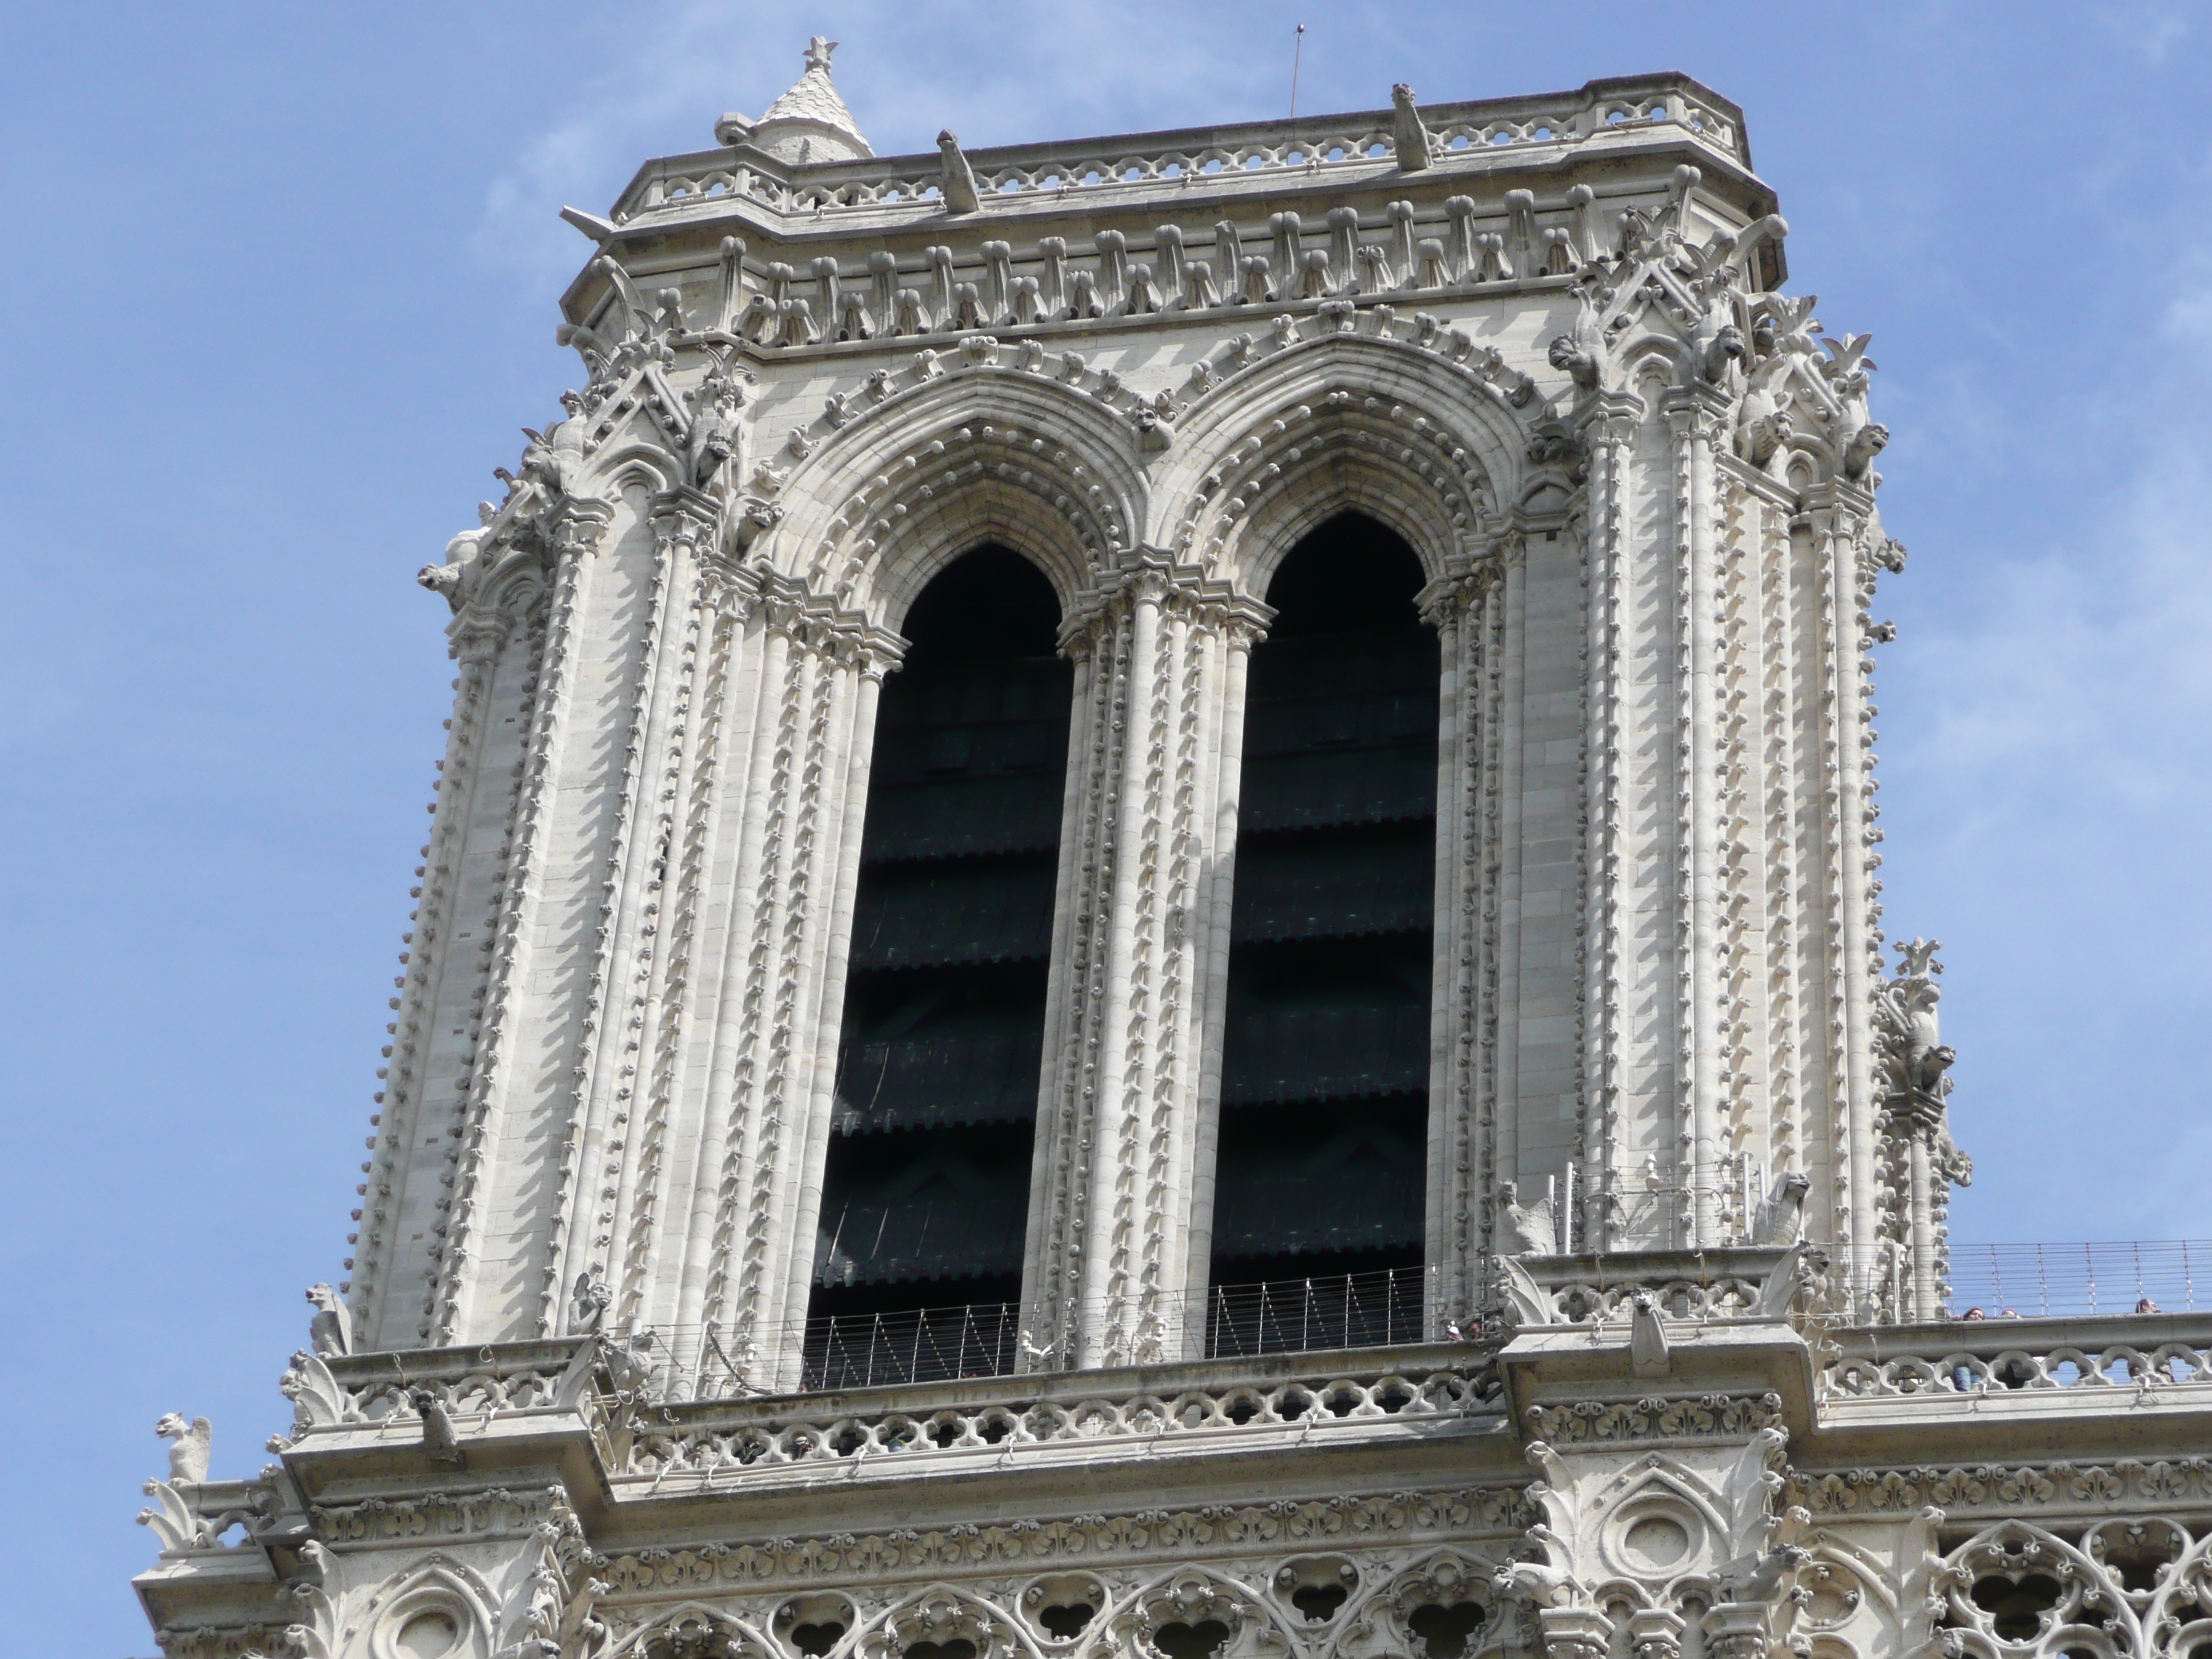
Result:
[[1297, 1315], [2094, 1280], [1366, 1311], [987, 1339], [921, 1345]]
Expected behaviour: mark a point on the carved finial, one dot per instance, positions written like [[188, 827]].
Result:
[[818, 53], [1917, 960]]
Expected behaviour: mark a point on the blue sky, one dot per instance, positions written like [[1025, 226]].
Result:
[[282, 286]]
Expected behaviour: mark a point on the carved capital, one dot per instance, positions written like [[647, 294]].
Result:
[[1739, 1629], [1610, 417], [685, 518], [573, 527], [1152, 575], [1575, 1632], [478, 632], [1699, 413], [1446, 601], [1655, 1633]]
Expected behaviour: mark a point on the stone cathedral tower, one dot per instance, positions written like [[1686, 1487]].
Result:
[[1151, 929]]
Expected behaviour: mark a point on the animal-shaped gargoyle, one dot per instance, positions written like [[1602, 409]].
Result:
[[189, 1448]]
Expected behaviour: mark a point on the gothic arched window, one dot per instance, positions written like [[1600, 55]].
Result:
[[1321, 1148], [926, 1187]]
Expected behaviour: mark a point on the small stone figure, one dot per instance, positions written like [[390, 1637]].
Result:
[[1580, 366], [330, 1333], [959, 180], [1534, 1230], [1408, 137], [439, 1439], [588, 1308], [191, 1445]]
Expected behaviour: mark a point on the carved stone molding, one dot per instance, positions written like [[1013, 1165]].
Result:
[[1222, 1530], [476, 1512], [1997, 1488], [1701, 1416]]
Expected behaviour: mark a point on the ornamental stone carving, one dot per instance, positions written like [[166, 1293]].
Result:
[[1669, 1374]]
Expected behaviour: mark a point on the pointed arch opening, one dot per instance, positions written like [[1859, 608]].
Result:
[[1321, 1152], [926, 1180]]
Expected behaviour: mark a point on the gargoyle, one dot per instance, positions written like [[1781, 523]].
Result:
[[1725, 347], [711, 437], [554, 459], [1863, 445], [588, 1307], [440, 1441], [1579, 364], [1534, 1230], [1536, 1583], [450, 579], [1648, 1354], [958, 184], [191, 1445], [1408, 135], [1782, 1215], [330, 1332]]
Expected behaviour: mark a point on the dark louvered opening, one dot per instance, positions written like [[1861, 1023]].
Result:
[[1322, 1153], [925, 1190]]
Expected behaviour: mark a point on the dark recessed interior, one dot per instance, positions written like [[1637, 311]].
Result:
[[925, 1190], [1324, 1101]]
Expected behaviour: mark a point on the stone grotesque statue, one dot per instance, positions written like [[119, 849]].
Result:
[[1782, 1216], [1725, 347], [1531, 1226], [449, 580], [589, 1305], [190, 1444], [1579, 365], [959, 180], [1409, 135], [330, 1333], [1913, 1050], [439, 1440]]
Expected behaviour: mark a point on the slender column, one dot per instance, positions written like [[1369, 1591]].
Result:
[[1054, 1139], [1453, 1086], [1508, 677], [599, 1166], [575, 533], [1835, 513], [1693, 418], [1121, 1061], [859, 672], [1238, 637], [1608, 436], [1097, 635], [1467, 610], [1121, 1196], [701, 1280], [462, 863]]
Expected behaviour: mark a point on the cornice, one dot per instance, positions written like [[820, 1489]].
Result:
[[1497, 1511]]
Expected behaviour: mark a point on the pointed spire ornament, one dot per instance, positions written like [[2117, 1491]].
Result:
[[808, 124]]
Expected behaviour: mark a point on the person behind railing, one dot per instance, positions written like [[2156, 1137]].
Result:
[[2145, 1305], [1962, 1376]]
